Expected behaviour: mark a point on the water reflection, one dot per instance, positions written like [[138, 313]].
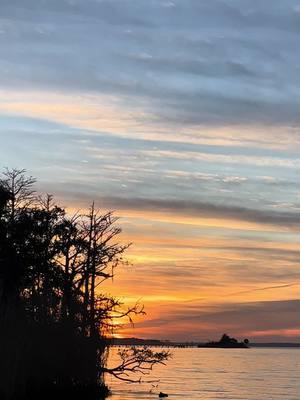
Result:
[[238, 374]]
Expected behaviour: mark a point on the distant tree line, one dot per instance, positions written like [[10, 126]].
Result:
[[54, 319]]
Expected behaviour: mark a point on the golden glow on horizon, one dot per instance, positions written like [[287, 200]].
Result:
[[165, 295]]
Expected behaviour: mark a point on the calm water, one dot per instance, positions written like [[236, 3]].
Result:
[[251, 374]]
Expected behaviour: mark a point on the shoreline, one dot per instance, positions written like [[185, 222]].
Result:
[[162, 343]]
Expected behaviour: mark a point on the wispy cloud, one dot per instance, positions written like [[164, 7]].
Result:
[[240, 319]]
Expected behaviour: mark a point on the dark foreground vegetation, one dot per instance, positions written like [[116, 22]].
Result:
[[54, 320]]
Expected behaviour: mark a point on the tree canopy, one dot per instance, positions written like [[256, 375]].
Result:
[[54, 318]]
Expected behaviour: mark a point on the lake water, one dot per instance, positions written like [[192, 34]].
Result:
[[245, 374]]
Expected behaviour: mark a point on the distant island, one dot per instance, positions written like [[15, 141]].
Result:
[[227, 342]]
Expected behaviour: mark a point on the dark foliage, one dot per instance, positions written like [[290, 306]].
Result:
[[53, 321]]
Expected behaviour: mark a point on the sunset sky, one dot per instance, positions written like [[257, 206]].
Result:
[[183, 116]]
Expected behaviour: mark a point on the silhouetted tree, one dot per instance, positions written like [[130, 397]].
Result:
[[53, 319]]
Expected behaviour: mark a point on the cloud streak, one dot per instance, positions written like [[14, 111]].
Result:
[[240, 319], [207, 210]]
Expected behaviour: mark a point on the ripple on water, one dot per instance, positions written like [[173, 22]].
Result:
[[205, 374]]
